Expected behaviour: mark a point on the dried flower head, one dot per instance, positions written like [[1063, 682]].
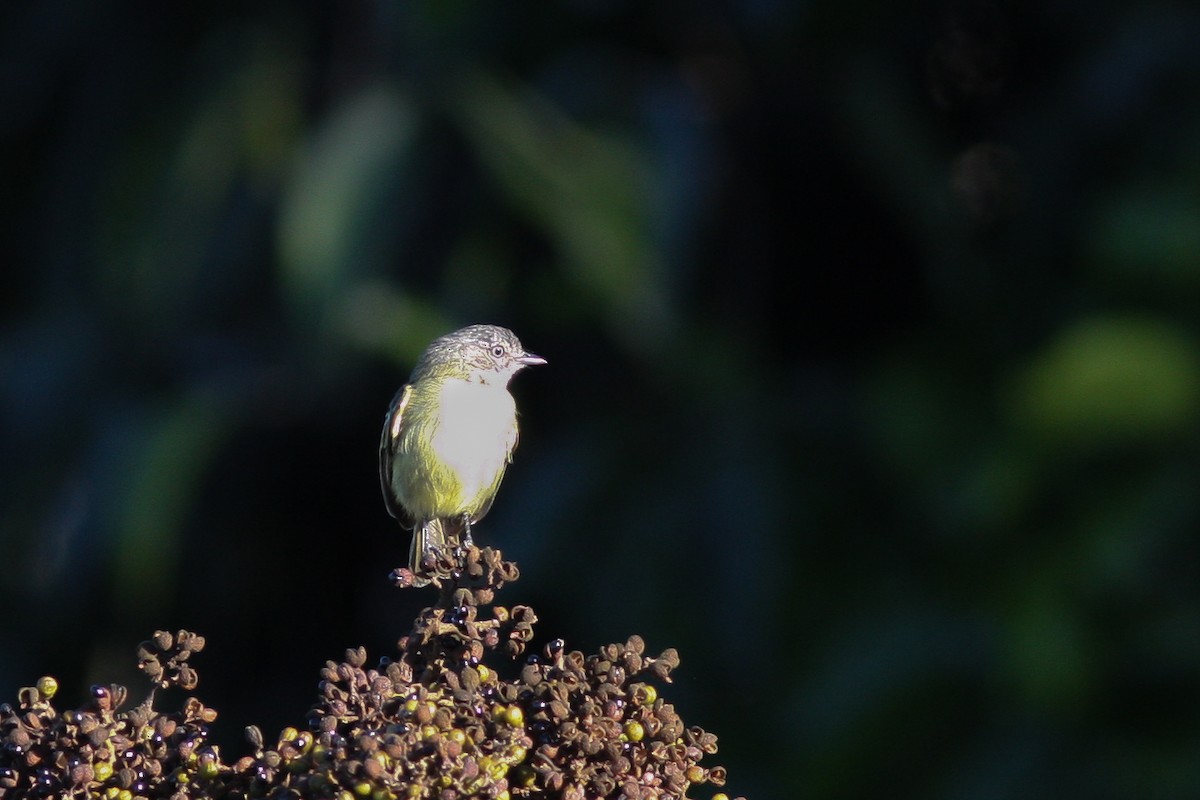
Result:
[[438, 721]]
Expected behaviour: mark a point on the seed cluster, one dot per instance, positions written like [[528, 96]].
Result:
[[97, 750], [435, 722]]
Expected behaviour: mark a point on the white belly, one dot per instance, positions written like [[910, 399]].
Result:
[[476, 432]]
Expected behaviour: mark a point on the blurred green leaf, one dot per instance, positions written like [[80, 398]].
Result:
[[170, 217], [333, 221], [379, 318], [165, 469], [1149, 236], [587, 190], [1046, 652], [1110, 380]]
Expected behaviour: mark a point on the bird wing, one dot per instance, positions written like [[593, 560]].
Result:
[[389, 443]]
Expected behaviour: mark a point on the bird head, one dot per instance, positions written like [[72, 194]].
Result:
[[485, 354]]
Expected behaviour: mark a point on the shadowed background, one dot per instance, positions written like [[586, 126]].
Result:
[[874, 362]]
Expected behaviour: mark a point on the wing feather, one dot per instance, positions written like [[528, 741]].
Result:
[[389, 448]]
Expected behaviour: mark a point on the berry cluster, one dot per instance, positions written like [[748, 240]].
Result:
[[435, 722], [98, 750]]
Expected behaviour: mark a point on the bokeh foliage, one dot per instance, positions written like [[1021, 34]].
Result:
[[872, 337]]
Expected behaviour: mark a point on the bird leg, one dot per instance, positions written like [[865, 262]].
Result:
[[467, 542], [425, 551]]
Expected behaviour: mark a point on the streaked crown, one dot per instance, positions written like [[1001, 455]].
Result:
[[478, 353]]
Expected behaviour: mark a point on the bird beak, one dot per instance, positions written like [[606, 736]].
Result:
[[530, 360]]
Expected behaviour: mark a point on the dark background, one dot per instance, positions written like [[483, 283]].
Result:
[[874, 360]]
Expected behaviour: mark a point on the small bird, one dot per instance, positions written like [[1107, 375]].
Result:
[[448, 436]]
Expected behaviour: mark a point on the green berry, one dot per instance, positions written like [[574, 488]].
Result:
[[523, 775], [47, 687]]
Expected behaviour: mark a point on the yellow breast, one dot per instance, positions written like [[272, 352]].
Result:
[[474, 434]]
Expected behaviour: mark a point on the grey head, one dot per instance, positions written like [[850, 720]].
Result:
[[477, 353]]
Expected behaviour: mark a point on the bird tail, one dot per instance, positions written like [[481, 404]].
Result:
[[433, 547]]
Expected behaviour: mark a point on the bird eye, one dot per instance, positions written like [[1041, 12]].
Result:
[[498, 350]]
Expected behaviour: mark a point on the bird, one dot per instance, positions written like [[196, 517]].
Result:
[[448, 436]]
